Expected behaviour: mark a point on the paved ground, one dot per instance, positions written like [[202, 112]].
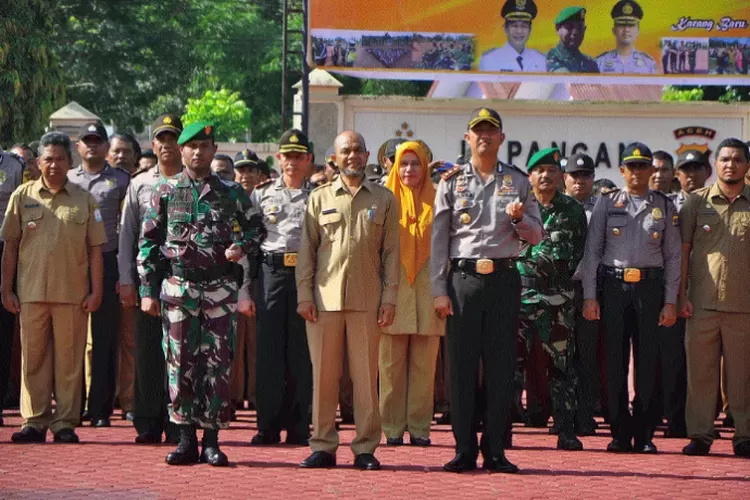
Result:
[[108, 465]]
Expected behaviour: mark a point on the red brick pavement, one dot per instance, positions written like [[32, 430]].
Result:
[[108, 465]]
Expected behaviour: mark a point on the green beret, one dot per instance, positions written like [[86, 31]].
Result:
[[196, 131], [549, 156], [568, 13]]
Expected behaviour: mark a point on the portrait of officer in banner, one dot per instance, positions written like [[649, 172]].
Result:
[[566, 56], [514, 55], [625, 59]]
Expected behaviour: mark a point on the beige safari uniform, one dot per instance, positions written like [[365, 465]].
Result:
[[55, 233], [348, 265]]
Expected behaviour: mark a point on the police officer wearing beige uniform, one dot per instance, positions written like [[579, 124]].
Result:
[[347, 283], [634, 242], [284, 373], [53, 234], [483, 209]]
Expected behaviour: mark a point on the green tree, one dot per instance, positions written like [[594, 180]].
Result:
[[31, 79], [224, 109]]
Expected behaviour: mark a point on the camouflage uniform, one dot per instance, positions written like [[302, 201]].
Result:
[[181, 260], [562, 60], [547, 307]]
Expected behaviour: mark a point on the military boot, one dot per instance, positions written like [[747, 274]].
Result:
[[211, 454], [186, 452], [566, 436]]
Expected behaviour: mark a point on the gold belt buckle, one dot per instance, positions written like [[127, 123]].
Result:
[[290, 260], [485, 266], [631, 275]]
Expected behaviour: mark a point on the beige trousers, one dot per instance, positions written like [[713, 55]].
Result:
[[359, 332], [407, 383], [709, 335], [125, 390], [244, 356], [52, 347]]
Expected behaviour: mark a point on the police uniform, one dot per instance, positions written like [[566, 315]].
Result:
[[185, 233], [634, 242], [563, 60], [506, 58], [109, 188], [284, 372], [547, 305], [474, 247], [586, 332], [626, 13], [150, 408], [11, 176]]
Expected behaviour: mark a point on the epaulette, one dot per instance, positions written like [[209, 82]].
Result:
[[450, 173], [513, 167], [263, 184], [606, 53], [646, 56], [663, 195], [609, 191], [139, 172], [320, 186], [16, 157]]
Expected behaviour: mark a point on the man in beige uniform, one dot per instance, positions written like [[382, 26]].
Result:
[[347, 279], [52, 232], [715, 222]]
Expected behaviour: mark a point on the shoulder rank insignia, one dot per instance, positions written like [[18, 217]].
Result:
[[264, 183], [450, 173]]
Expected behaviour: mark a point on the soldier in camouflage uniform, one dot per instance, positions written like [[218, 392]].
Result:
[[566, 56], [193, 234], [547, 307]]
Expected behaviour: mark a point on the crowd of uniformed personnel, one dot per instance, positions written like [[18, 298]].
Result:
[[200, 281]]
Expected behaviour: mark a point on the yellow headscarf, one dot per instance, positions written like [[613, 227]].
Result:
[[415, 208]]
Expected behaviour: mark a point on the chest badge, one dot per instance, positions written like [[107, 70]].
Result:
[[657, 214], [465, 218], [656, 235], [616, 232], [507, 180], [272, 219]]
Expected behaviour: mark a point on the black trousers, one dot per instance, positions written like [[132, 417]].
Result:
[[586, 361], [673, 370], [104, 324], [284, 370], [631, 311], [7, 327], [151, 396], [483, 327]]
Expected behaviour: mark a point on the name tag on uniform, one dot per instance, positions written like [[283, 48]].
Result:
[[97, 215], [329, 211], [31, 205]]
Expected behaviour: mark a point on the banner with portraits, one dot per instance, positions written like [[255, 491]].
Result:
[[587, 41]]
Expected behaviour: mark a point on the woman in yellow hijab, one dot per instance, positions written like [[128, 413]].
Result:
[[409, 347]]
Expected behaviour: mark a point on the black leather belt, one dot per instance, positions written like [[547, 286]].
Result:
[[281, 260], [210, 274], [633, 274], [483, 266]]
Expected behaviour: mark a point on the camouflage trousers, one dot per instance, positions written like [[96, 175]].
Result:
[[549, 320], [199, 321]]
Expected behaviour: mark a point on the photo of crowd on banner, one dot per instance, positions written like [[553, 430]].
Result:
[[452, 52]]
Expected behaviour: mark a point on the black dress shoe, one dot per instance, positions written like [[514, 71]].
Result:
[[394, 441], [129, 416], [85, 416], [265, 438], [101, 422], [742, 449], [728, 421], [366, 461], [569, 442], [500, 464], [445, 419], [696, 447], [2, 422], [319, 460], [297, 439], [148, 437], [618, 446], [417, 441], [648, 448], [554, 430], [461, 463], [29, 435], [212, 455], [67, 436]]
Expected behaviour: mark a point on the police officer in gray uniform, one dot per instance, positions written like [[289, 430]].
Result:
[[625, 59], [579, 183], [108, 186], [634, 242], [11, 176], [483, 209], [150, 370], [284, 370]]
